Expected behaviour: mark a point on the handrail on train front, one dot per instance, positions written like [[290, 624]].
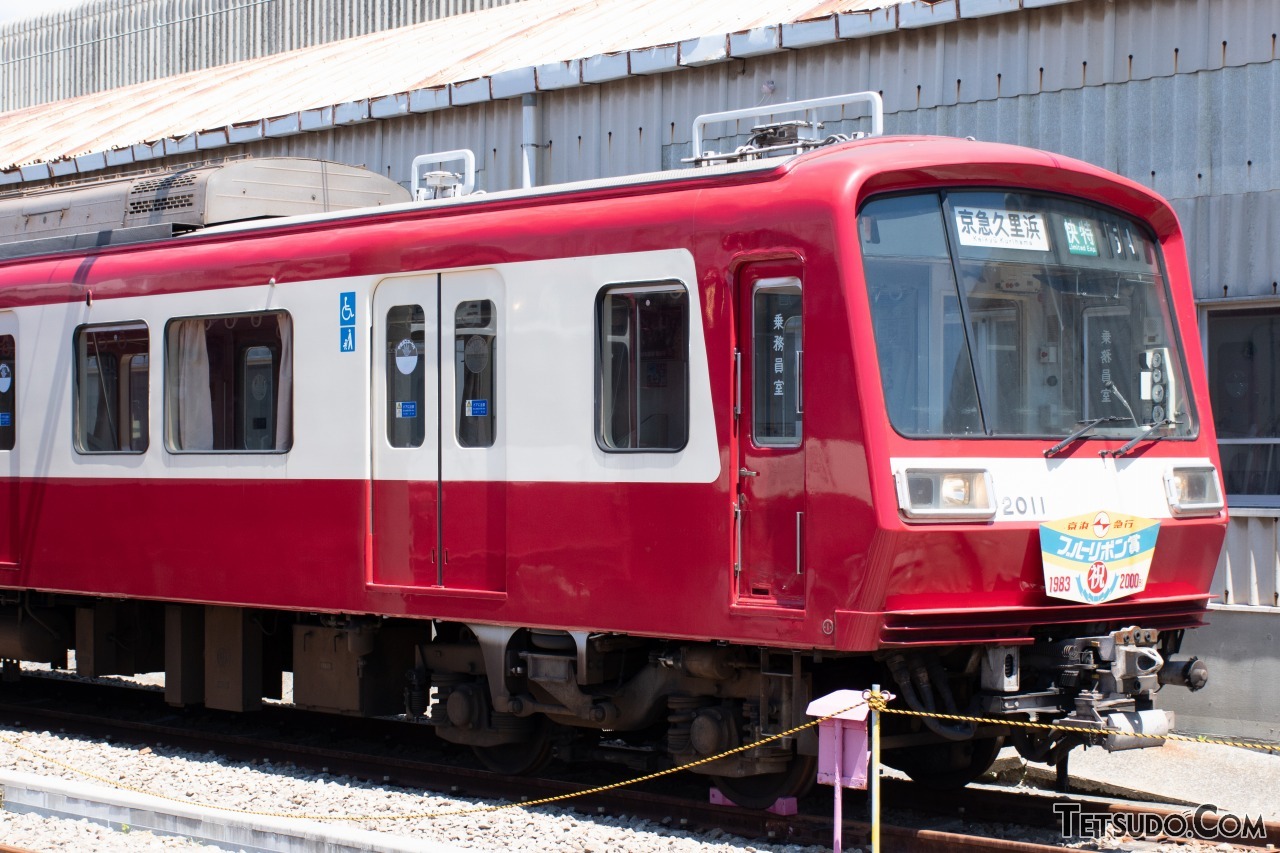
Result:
[[810, 106]]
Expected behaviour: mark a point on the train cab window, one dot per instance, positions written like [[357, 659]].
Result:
[[1010, 313], [112, 388], [777, 403], [8, 393], [406, 376], [229, 383], [925, 367], [475, 341], [642, 381]]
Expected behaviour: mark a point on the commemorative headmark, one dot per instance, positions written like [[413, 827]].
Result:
[[1097, 557]]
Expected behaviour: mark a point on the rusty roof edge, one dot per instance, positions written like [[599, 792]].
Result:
[[823, 30]]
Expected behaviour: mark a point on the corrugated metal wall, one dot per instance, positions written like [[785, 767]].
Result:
[[1249, 568], [110, 43]]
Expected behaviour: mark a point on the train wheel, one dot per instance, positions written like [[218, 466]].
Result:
[[522, 757], [762, 791], [946, 765]]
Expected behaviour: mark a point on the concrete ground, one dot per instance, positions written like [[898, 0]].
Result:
[[1240, 781]]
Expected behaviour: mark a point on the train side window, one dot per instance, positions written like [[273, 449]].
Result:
[[777, 403], [8, 393], [229, 383], [475, 348], [112, 388], [406, 376], [642, 367]]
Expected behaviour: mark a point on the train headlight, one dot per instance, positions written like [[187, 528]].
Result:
[[1193, 491], [939, 495]]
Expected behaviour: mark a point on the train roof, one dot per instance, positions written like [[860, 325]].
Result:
[[270, 193]]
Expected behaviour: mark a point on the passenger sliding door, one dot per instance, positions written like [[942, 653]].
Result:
[[439, 463], [406, 430]]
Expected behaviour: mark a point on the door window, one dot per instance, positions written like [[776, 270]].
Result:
[[475, 342], [406, 376], [8, 393], [778, 369]]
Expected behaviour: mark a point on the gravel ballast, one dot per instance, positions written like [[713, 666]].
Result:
[[209, 780]]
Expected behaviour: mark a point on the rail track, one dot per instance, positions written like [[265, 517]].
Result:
[[410, 757]]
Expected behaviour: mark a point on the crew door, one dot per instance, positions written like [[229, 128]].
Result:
[[10, 497], [406, 431], [769, 563]]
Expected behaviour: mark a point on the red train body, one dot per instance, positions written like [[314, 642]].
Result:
[[662, 457]]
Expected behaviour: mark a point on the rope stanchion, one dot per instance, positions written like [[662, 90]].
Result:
[[876, 700]]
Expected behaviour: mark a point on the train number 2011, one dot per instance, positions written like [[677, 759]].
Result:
[[1033, 505]]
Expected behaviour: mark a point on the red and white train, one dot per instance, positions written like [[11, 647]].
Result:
[[646, 462]]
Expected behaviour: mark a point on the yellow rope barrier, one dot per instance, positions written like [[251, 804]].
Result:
[[874, 698], [1027, 724]]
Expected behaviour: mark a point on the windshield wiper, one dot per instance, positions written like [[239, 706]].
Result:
[[1145, 434], [1087, 425], [1111, 386]]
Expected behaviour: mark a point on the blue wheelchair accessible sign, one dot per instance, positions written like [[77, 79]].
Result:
[[347, 321]]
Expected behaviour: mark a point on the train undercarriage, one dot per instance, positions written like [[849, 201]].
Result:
[[520, 697]]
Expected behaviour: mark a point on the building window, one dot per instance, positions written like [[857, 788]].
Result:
[[1244, 389], [475, 342], [406, 376], [642, 377], [229, 383], [111, 388], [8, 393]]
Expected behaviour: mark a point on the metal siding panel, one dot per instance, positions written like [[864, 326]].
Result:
[[1231, 245], [983, 8], [469, 92], [704, 50], [559, 75], [570, 121], [755, 42], [513, 83], [926, 13], [809, 33], [655, 60], [870, 23], [605, 67], [1110, 126], [1250, 563], [1221, 584], [426, 100]]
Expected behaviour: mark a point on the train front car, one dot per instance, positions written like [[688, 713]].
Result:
[[1041, 456]]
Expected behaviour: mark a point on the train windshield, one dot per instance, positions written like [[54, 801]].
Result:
[[1015, 314]]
